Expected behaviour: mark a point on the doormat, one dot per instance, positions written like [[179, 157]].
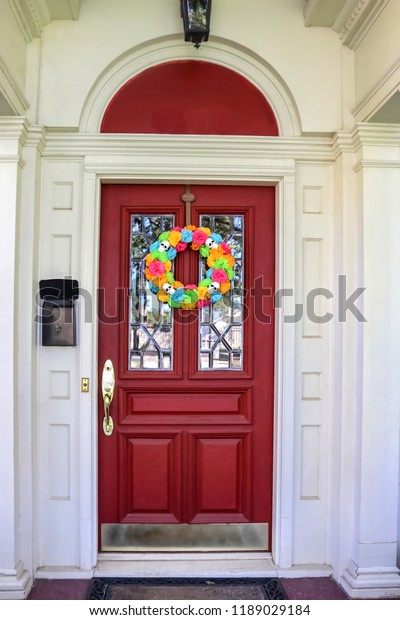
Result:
[[133, 589]]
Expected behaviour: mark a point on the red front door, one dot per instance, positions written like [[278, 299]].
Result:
[[193, 404]]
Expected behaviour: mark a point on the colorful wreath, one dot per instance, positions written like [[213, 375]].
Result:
[[188, 296]]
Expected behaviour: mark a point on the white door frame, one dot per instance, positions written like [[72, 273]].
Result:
[[284, 347]]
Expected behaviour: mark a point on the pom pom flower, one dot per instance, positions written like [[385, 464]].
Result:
[[220, 263]]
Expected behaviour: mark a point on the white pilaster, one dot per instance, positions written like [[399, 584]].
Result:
[[27, 282], [372, 571], [14, 579], [346, 387]]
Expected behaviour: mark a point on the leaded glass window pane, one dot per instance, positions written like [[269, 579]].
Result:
[[221, 324], [150, 321]]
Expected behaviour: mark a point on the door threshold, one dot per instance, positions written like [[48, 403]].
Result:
[[172, 564]]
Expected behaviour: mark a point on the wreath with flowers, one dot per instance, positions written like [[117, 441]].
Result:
[[218, 278]]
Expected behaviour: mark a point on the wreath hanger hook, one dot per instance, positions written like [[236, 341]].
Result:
[[188, 198]]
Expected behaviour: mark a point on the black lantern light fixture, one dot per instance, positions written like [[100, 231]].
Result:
[[196, 20]]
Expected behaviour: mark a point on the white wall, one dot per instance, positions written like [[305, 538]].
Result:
[[75, 54]]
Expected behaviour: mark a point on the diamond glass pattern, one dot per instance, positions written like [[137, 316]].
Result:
[[221, 324], [151, 326]]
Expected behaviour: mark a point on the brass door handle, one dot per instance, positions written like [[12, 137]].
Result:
[[107, 391]]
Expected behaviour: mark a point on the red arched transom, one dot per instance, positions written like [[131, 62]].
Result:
[[189, 97]]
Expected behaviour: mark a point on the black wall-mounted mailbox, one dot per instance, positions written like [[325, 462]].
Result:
[[58, 312]]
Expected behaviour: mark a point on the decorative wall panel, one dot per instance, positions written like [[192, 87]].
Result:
[[313, 360], [59, 461], [310, 466], [61, 254], [313, 200], [59, 384], [312, 281], [58, 371], [311, 386], [63, 196]]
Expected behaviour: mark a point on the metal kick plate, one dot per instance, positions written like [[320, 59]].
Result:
[[185, 537]]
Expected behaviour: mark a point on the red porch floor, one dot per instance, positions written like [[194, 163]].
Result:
[[318, 588]]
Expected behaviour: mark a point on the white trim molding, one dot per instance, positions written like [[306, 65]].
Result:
[[387, 85], [352, 19], [15, 584], [11, 92], [372, 582], [354, 26], [33, 15]]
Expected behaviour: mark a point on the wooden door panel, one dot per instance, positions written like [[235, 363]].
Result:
[[173, 407], [220, 488], [150, 474]]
